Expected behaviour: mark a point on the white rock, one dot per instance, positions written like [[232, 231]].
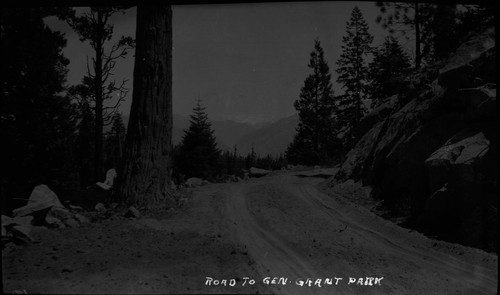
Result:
[[41, 198], [257, 172], [110, 179], [24, 220]]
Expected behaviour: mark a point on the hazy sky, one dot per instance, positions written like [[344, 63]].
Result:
[[247, 62]]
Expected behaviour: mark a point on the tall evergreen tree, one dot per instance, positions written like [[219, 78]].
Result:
[[388, 71], [352, 68], [315, 137], [433, 26], [250, 158], [85, 146], [404, 17], [115, 140], [38, 121], [95, 27], [199, 154]]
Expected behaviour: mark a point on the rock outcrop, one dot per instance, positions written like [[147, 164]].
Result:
[[433, 159]]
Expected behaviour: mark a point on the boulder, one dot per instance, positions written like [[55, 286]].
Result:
[[257, 172], [54, 222], [24, 220], [60, 213], [23, 232], [194, 182], [82, 219], [110, 179], [461, 158], [23, 224], [132, 212], [41, 198], [456, 174], [433, 159], [100, 207]]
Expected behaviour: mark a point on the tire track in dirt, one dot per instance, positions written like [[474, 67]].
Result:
[[272, 255], [446, 265]]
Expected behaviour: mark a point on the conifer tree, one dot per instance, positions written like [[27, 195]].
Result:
[[352, 68], [85, 146], [388, 71], [250, 159], [38, 123], [406, 17], [433, 27], [315, 138], [115, 140], [199, 154], [95, 27]]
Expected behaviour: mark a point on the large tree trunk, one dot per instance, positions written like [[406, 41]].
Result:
[[146, 171]]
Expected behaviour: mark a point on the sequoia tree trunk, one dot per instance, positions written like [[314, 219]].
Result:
[[147, 164]]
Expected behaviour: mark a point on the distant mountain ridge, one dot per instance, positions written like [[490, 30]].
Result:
[[266, 138], [270, 139]]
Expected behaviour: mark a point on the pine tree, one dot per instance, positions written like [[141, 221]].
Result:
[[38, 122], [315, 137], [115, 140], [433, 27], [199, 154], [388, 71], [250, 159], [352, 68], [94, 27], [84, 145]]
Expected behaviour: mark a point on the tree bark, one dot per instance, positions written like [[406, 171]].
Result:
[[147, 165]]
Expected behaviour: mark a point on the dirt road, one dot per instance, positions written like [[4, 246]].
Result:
[[295, 231], [237, 235]]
